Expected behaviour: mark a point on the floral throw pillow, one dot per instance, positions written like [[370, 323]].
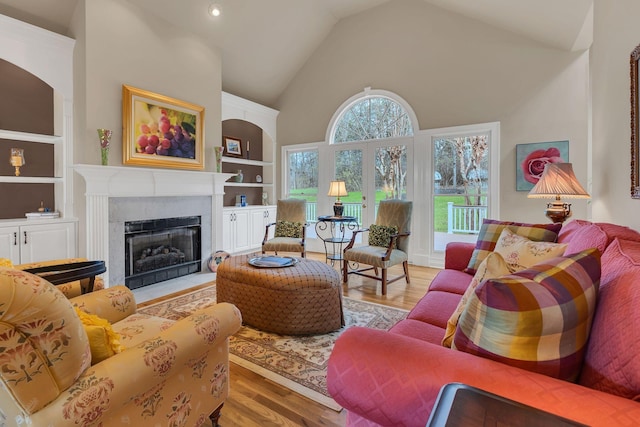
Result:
[[490, 232], [520, 252], [288, 229], [380, 235]]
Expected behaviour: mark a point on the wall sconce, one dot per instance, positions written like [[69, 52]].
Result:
[[558, 180], [337, 189], [17, 159]]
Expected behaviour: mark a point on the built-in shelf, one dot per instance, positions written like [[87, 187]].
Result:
[[31, 180], [30, 137], [247, 184], [259, 127], [240, 161], [48, 149]]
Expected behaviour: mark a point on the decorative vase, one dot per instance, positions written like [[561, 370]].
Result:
[[219, 151], [239, 176], [105, 139]]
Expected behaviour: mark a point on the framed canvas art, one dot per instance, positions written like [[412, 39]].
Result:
[[161, 131], [532, 158]]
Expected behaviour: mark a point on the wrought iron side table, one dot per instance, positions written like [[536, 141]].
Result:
[[334, 233]]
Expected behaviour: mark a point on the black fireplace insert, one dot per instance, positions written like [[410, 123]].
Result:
[[161, 249]]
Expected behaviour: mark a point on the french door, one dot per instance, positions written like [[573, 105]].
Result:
[[464, 187], [373, 171]]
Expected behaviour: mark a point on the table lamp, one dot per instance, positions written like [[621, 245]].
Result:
[[337, 189], [17, 159], [558, 180]]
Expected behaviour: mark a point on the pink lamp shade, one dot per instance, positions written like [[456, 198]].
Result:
[[558, 180]]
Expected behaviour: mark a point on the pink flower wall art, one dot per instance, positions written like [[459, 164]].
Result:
[[532, 158]]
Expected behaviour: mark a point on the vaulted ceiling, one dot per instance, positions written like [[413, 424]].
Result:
[[264, 43]]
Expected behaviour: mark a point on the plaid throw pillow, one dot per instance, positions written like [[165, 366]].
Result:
[[380, 235], [536, 319], [490, 233], [288, 229]]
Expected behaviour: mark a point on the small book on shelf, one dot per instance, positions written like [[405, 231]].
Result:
[[42, 215]]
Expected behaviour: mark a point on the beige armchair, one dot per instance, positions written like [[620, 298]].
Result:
[[170, 373], [389, 247], [290, 228]]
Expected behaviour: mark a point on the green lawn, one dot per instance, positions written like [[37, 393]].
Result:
[[440, 209]]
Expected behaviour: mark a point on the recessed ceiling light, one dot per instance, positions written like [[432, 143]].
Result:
[[215, 10]]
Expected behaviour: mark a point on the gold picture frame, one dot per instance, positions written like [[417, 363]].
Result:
[[160, 131], [635, 129]]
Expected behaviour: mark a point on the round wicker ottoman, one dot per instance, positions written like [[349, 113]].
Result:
[[303, 299]]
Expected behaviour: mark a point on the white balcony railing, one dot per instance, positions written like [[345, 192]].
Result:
[[465, 219], [350, 209]]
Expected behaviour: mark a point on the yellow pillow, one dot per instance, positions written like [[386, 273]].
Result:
[[6, 262], [103, 340]]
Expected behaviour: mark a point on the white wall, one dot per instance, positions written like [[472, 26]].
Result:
[[616, 34], [119, 44], [452, 71]]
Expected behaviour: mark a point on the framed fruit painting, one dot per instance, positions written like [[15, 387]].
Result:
[[160, 131]]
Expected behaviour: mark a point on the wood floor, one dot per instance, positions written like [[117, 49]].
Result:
[[256, 401]]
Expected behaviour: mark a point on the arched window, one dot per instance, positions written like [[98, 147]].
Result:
[[372, 117]]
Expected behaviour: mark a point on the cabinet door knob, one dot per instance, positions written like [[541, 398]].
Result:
[[25, 237], [15, 238]]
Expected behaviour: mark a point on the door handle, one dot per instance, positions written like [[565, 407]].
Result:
[[364, 206], [15, 238], [25, 237]]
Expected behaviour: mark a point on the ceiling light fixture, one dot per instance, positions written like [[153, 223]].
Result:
[[215, 10]]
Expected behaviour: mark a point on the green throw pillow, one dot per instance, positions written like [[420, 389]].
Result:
[[288, 229], [380, 235]]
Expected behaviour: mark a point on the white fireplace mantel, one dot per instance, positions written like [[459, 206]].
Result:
[[104, 182]]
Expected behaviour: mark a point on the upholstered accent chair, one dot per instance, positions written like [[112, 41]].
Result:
[[173, 373], [388, 244], [290, 228]]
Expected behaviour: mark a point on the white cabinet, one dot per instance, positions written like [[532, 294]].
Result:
[[236, 234], [243, 228], [260, 217], [38, 242]]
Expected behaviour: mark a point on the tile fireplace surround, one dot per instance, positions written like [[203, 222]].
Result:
[[116, 194]]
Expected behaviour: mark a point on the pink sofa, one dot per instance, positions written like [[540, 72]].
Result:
[[392, 378]]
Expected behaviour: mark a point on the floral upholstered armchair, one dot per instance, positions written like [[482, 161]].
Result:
[[157, 371]]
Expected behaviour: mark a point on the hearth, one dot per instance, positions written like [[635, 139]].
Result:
[[161, 249]]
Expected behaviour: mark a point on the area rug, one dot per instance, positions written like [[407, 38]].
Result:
[[296, 362]]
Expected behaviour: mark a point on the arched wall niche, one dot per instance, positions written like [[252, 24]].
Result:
[[28, 102], [36, 114]]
